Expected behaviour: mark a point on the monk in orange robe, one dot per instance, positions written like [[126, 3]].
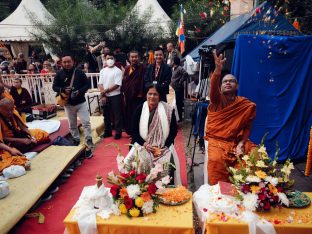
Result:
[[7, 159], [15, 132], [228, 124], [10, 156]]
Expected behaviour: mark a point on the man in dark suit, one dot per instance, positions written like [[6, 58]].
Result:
[[159, 73]]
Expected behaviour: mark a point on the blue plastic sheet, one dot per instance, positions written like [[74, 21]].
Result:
[[276, 74]]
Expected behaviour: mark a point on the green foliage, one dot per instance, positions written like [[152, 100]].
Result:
[[135, 33], [77, 22]]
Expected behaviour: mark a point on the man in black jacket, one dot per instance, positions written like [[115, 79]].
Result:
[[158, 73], [76, 105]]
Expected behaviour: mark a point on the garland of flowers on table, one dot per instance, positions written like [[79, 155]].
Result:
[[309, 157]]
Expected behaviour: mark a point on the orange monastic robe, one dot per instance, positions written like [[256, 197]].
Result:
[[228, 122], [18, 124], [7, 159]]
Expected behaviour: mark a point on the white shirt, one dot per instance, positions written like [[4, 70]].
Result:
[[110, 76]]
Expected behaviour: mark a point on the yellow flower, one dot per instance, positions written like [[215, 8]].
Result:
[[273, 189], [123, 209], [134, 212], [261, 174], [261, 164], [139, 202], [254, 189]]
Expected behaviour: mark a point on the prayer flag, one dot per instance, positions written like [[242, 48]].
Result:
[[180, 31]]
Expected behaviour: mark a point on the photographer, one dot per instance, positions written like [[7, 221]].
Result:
[[76, 104]]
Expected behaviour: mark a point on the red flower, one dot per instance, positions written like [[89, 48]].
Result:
[[198, 30], [128, 202], [114, 190], [245, 188], [267, 205], [280, 189], [124, 175], [152, 188], [276, 198], [205, 209], [132, 173], [141, 177], [261, 197]]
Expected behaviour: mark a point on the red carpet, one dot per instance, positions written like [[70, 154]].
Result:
[[104, 161]]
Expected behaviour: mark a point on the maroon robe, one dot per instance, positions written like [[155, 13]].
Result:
[[23, 101], [133, 89]]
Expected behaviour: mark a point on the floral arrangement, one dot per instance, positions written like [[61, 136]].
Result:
[[260, 183], [134, 190]]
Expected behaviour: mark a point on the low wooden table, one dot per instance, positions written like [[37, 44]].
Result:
[[167, 220]]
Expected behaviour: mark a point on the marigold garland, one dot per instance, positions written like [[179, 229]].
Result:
[[309, 157]]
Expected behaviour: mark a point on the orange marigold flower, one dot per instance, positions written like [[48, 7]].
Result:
[[123, 192], [261, 174], [146, 196], [273, 189]]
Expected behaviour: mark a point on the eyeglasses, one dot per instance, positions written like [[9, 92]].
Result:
[[229, 81]]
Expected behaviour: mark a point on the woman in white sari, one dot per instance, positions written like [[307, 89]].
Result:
[[154, 128]]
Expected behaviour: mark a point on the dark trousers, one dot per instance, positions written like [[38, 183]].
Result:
[[130, 106], [113, 109], [179, 93]]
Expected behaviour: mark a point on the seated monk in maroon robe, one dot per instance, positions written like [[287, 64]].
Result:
[[228, 124], [132, 88]]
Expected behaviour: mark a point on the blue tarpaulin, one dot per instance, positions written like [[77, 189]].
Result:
[[276, 74], [264, 19]]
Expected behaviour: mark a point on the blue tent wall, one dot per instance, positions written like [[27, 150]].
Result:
[[276, 74], [268, 21]]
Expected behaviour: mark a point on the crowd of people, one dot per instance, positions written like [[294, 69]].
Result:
[[134, 100]]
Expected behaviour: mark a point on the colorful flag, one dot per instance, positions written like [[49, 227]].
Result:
[[180, 31]]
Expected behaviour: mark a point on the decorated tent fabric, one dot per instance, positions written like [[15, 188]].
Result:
[[264, 19], [275, 73]]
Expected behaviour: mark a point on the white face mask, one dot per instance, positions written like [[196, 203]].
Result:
[[110, 62]]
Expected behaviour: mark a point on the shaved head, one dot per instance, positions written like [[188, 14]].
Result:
[[6, 107], [229, 84]]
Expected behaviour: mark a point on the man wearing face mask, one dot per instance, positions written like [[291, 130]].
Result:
[[76, 105], [109, 85], [132, 87], [159, 73]]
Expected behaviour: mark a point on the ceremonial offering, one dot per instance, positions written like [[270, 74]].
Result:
[[134, 190], [174, 196], [44, 111], [298, 199], [259, 183]]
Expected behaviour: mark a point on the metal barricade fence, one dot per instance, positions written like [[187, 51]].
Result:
[[40, 85]]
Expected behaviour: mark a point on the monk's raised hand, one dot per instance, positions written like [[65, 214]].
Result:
[[219, 60]]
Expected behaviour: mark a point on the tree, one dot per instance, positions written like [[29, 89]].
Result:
[[135, 33], [77, 22]]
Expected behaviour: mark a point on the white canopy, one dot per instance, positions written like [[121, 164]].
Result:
[[158, 16], [19, 27]]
